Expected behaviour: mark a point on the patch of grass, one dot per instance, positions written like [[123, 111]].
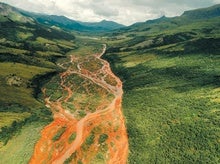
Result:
[[20, 148], [69, 106], [89, 140], [81, 113], [21, 70], [99, 159], [59, 133], [103, 138], [92, 65], [86, 48], [19, 95], [7, 118], [72, 138], [70, 159]]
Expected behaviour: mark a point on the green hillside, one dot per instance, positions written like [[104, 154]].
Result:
[[28, 55], [170, 71]]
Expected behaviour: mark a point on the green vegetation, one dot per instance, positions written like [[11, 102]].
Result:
[[69, 160], [28, 57], [59, 133], [99, 159], [86, 47], [7, 118], [90, 139], [171, 83], [92, 65], [72, 138], [103, 138], [53, 88], [170, 72], [86, 97], [20, 148]]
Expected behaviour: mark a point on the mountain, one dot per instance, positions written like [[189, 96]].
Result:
[[57, 21], [69, 24], [103, 25], [13, 14], [210, 12], [61, 21], [164, 22], [170, 71]]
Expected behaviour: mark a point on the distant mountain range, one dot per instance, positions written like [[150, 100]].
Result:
[[162, 23], [69, 24], [62, 21]]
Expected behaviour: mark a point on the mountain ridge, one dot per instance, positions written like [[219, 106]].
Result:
[[63, 22], [208, 12], [163, 23]]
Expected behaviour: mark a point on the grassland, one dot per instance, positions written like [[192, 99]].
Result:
[[20, 148], [7, 118]]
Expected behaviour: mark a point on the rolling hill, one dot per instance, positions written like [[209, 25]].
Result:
[[28, 55], [170, 71]]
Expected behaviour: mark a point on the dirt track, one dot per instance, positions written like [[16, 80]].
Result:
[[100, 134]]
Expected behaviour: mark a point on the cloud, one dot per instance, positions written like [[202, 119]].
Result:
[[125, 12], [104, 9]]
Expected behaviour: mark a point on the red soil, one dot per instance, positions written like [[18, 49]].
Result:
[[107, 119]]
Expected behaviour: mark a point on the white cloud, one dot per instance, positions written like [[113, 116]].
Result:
[[126, 12]]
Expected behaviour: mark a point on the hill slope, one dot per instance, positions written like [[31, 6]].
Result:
[[170, 71], [28, 55], [209, 12]]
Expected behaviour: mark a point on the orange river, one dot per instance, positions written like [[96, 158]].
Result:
[[107, 119]]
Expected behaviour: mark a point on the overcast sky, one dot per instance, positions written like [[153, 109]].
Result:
[[122, 11]]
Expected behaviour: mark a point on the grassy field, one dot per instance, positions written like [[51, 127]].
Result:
[[20, 148], [7, 118], [23, 94]]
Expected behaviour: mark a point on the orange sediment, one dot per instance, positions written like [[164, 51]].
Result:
[[97, 136]]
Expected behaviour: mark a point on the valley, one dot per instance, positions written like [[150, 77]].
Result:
[[80, 92], [83, 130]]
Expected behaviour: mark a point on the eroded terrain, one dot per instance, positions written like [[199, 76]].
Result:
[[88, 124]]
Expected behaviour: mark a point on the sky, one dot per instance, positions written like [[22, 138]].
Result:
[[125, 12]]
